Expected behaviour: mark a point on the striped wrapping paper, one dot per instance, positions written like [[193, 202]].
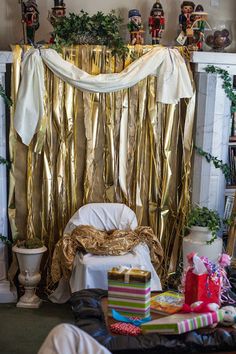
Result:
[[129, 298], [182, 322]]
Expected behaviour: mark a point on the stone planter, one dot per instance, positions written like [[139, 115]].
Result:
[[29, 263], [196, 242]]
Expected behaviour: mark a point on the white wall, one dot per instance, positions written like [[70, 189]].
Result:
[[11, 28]]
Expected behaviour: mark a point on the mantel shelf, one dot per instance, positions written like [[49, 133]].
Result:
[[5, 57], [225, 61]]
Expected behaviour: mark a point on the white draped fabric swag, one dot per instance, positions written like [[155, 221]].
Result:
[[167, 64]]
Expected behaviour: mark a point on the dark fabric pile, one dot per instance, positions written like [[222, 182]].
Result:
[[87, 309]]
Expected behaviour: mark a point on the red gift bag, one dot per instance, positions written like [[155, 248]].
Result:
[[201, 288]]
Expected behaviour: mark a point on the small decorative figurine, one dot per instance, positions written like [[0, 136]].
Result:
[[156, 22], [185, 20], [199, 18], [30, 17], [135, 27], [58, 11], [185, 23]]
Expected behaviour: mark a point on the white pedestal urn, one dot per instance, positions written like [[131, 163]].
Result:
[[29, 263], [196, 242]]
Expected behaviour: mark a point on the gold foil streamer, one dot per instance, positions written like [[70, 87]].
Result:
[[114, 147]]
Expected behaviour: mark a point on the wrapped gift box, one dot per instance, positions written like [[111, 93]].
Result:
[[129, 291], [201, 288], [181, 323]]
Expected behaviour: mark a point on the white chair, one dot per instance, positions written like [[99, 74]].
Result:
[[90, 271]]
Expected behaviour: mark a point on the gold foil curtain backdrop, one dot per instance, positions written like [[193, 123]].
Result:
[[114, 147]]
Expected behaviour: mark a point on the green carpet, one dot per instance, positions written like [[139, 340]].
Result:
[[22, 331]]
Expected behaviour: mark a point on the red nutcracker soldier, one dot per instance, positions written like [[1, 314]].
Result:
[[156, 22], [30, 19]]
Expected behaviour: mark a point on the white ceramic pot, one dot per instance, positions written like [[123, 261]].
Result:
[[196, 242], [29, 263]]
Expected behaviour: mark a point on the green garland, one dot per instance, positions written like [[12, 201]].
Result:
[[7, 100], [229, 91], [224, 167], [98, 29], [3, 161], [226, 85], [5, 240]]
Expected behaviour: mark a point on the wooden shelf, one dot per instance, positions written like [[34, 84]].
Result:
[[230, 190], [232, 139]]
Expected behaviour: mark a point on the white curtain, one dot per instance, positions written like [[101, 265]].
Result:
[[173, 82]]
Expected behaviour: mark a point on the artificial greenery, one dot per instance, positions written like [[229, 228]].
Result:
[[5, 240], [204, 217], [229, 91], [7, 100], [224, 167], [227, 83], [99, 29], [3, 161], [29, 243]]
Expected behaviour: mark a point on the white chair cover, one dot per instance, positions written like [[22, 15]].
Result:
[[103, 216], [90, 271]]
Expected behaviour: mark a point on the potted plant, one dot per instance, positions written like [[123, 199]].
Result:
[[29, 254], [98, 29], [204, 225]]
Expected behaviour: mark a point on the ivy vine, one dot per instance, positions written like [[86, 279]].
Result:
[[5, 240], [7, 100], [4, 161], [229, 91], [226, 85], [224, 167]]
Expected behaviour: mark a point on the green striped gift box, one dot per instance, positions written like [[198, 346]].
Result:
[[129, 292], [182, 322]]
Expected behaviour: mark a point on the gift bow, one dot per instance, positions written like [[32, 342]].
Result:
[[137, 322]]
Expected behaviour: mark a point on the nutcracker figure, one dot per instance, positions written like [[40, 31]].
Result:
[[199, 25], [58, 11], [185, 19], [30, 18], [156, 22], [135, 27]]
